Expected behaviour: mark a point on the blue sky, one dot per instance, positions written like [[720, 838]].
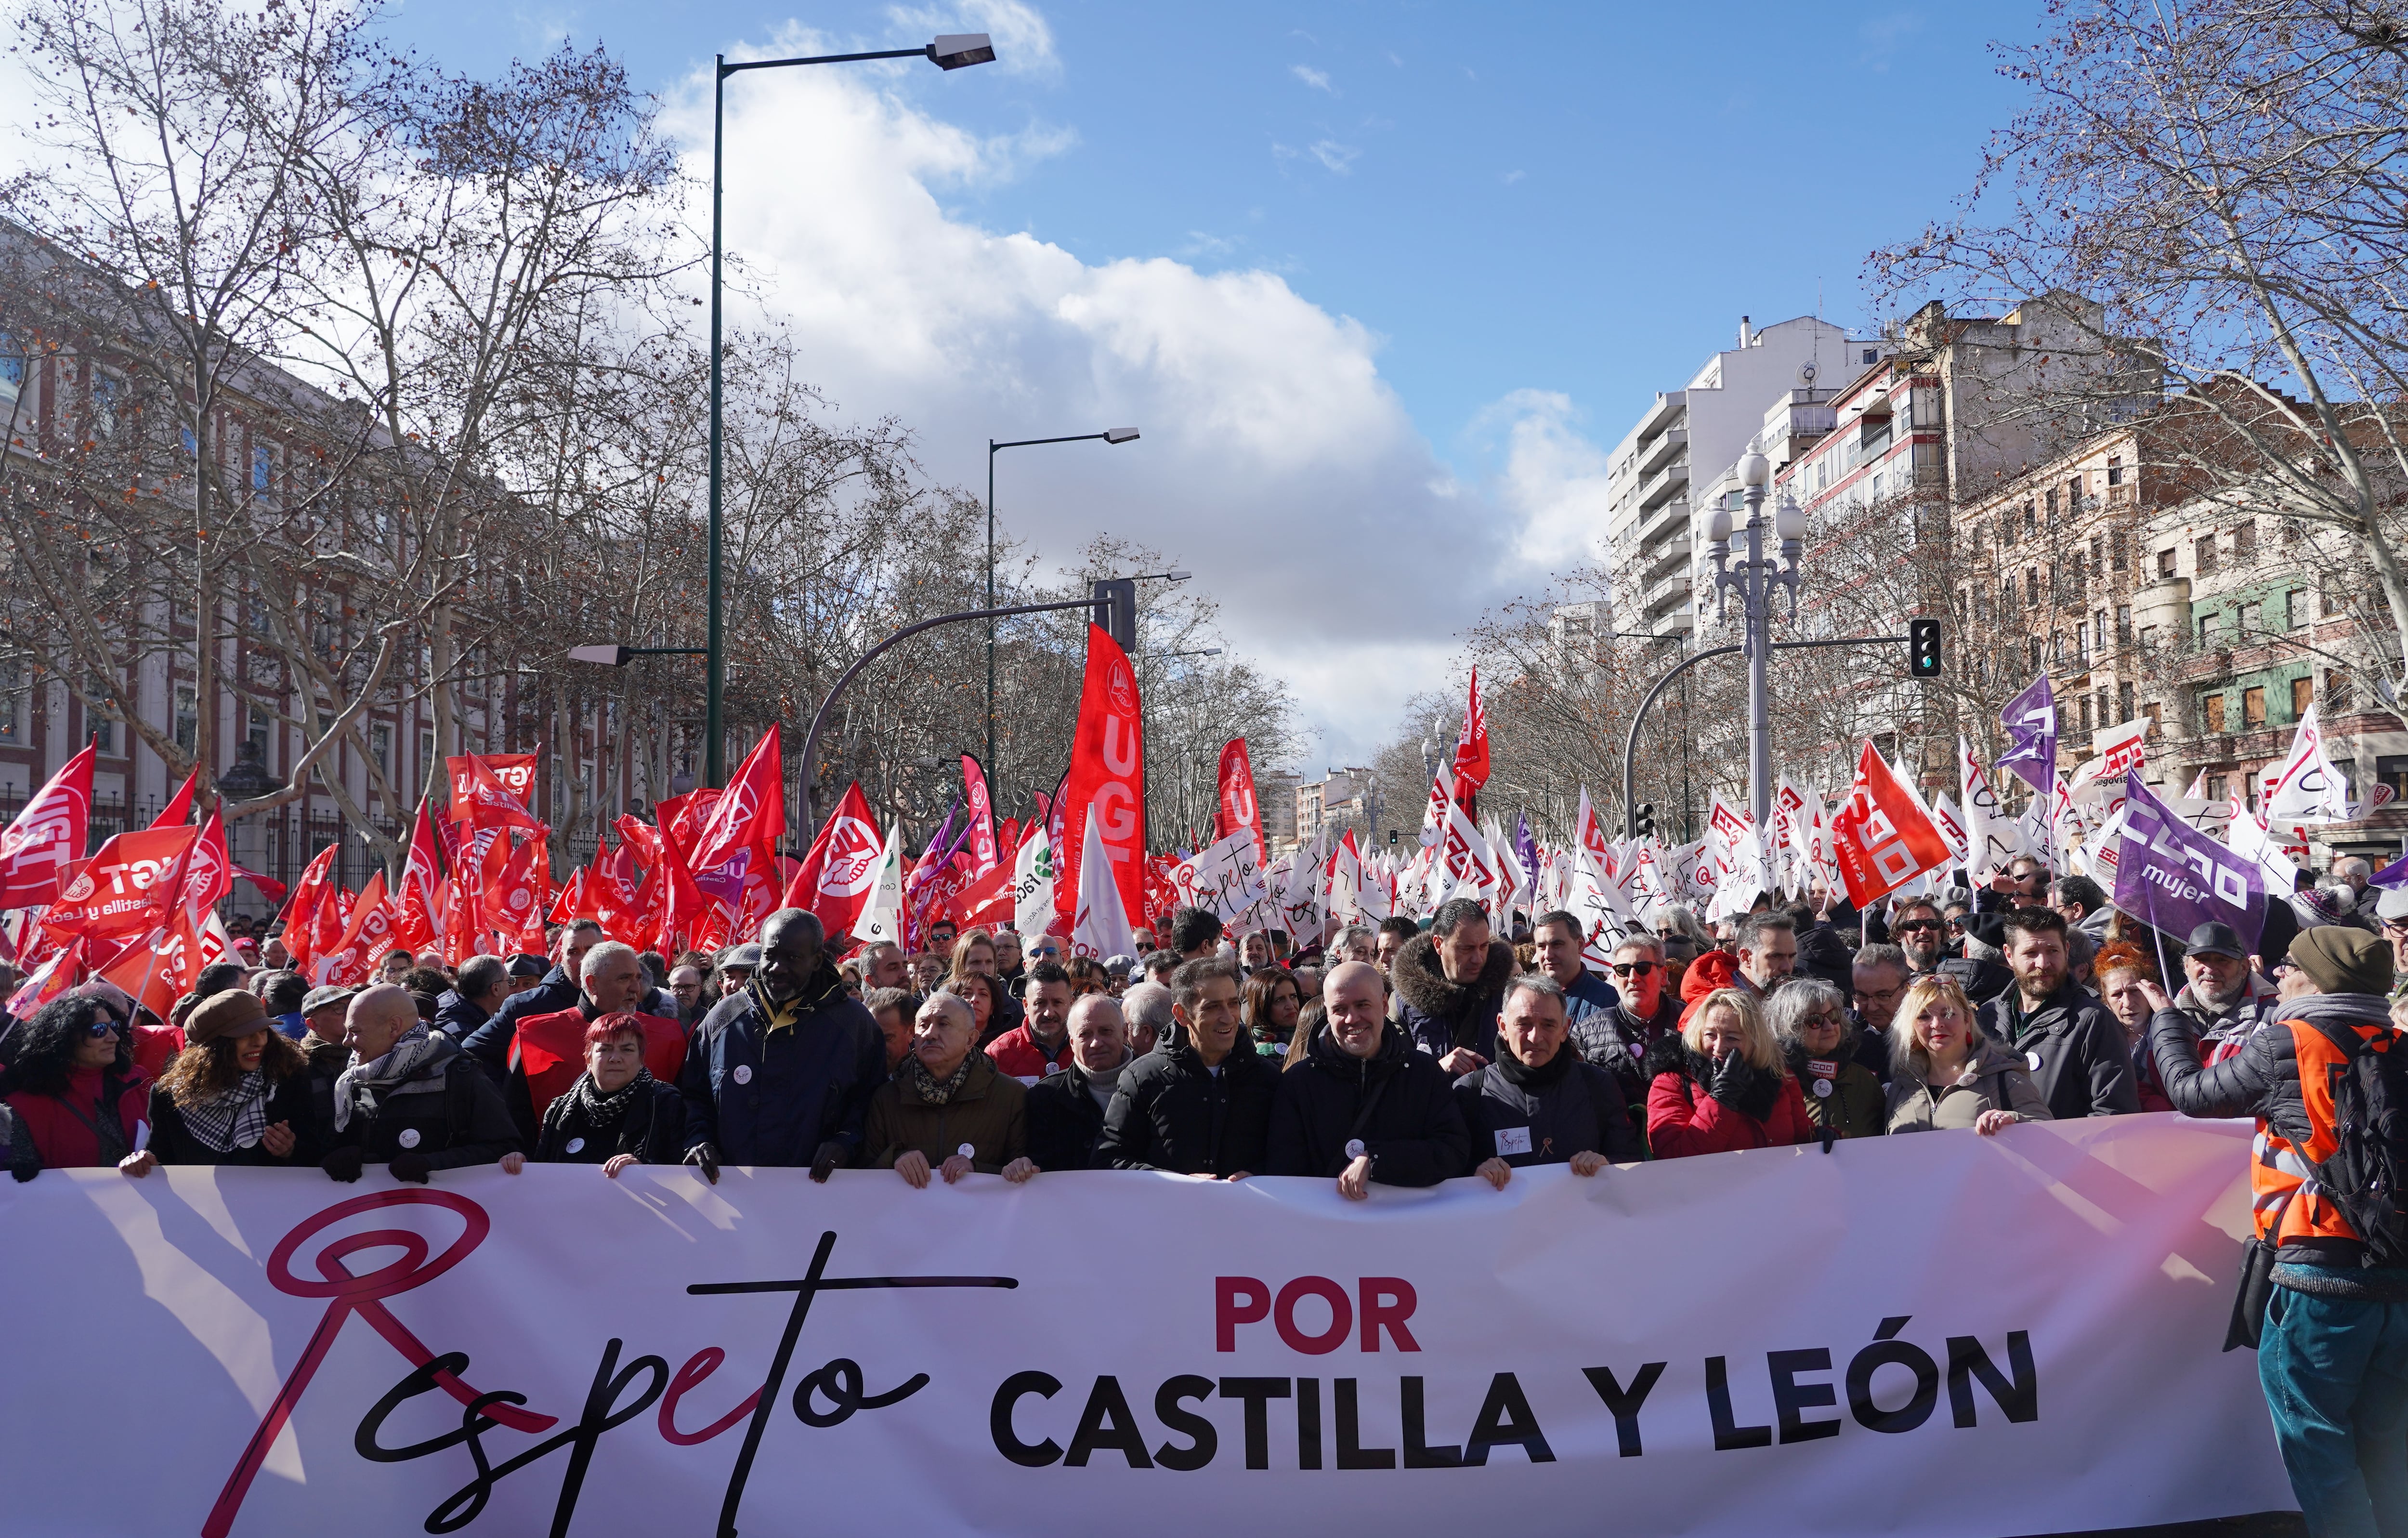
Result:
[[1381, 282]]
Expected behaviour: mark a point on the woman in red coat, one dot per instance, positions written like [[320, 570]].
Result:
[[78, 1100], [1724, 1085]]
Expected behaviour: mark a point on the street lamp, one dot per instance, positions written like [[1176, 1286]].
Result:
[[1110, 435], [954, 50], [1756, 578]]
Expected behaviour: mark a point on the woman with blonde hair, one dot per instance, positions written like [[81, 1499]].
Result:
[[1946, 1073], [1723, 1084]]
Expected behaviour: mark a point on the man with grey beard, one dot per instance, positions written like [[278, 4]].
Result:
[[2225, 999]]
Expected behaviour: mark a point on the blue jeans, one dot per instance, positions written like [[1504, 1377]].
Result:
[[2335, 1371]]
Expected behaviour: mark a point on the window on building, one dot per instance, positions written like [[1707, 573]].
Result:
[[2393, 771], [2149, 636], [2304, 694], [2099, 630], [2331, 605], [2253, 708], [2295, 608], [2031, 587], [1873, 356], [2103, 699], [2247, 623], [2007, 594], [2211, 711], [107, 402], [2124, 624], [380, 747], [2336, 689], [2114, 469], [2038, 661], [2031, 522], [2150, 709], [2204, 554], [262, 469], [2207, 629], [12, 709], [2085, 714], [2245, 542], [2165, 562], [258, 729], [187, 717], [2119, 546], [2097, 556], [12, 368], [2123, 702], [2217, 787]]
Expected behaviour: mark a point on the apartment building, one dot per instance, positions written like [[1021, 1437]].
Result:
[[1701, 429]]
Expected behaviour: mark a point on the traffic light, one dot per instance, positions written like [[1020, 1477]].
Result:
[[1923, 648], [1392, 838], [1115, 609], [1642, 821]]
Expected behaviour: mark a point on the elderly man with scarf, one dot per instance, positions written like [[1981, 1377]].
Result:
[[780, 1074], [410, 1100]]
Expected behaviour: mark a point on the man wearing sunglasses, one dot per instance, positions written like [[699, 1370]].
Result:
[[1919, 932]]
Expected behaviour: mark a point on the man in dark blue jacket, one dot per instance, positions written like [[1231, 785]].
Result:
[[490, 1042], [781, 1072]]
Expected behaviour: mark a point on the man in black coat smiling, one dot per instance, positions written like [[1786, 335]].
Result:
[[1363, 1105]]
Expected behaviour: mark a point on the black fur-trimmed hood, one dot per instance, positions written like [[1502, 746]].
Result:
[[1419, 982]]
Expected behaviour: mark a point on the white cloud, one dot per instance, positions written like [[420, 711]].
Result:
[[1512, 177], [1318, 79], [1338, 157], [1552, 484], [1276, 464]]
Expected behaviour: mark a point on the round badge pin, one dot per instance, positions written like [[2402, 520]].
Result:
[[1354, 1148], [1822, 1089], [743, 1074], [577, 1145], [408, 1138], [2031, 1059], [967, 1151]]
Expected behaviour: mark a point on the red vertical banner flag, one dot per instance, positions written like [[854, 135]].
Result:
[[1881, 836], [1238, 808], [418, 907], [985, 853], [1472, 747], [47, 835], [1107, 773]]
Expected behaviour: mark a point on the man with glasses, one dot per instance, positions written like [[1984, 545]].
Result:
[[1879, 977], [2022, 884], [1920, 934], [1646, 1011]]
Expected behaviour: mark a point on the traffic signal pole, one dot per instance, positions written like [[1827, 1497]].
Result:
[[1631, 741]]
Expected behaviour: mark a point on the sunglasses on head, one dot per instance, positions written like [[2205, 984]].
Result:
[[1633, 969]]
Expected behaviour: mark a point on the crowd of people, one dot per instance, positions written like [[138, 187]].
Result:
[[1402, 1055], [1405, 1054]]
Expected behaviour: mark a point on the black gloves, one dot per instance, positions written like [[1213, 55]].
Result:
[[707, 1158], [411, 1165], [343, 1164], [23, 1172], [830, 1156], [1730, 1078]]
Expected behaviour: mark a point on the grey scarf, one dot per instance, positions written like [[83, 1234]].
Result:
[[399, 1065], [602, 1111], [1102, 1085], [235, 1118]]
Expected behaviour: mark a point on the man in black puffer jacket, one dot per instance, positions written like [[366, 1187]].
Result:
[[1449, 985], [1066, 1112], [1200, 1103], [1539, 1102], [1363, 1105]]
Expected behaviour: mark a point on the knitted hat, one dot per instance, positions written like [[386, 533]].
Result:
[[2344, 961], [226, 1015]]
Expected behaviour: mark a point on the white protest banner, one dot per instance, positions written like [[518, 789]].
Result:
[[1826, 1361], [1225, 879], [2305, 787]]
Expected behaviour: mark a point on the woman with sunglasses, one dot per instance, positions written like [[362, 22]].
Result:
[[1844, 1096], [77, 1099]]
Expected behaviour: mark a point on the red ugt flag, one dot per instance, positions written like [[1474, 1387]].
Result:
[[1238, 808], [47, 837], [1471, 748]]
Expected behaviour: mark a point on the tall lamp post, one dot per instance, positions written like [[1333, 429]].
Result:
[[1110, 435], [955, 52], [1756, 578]]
